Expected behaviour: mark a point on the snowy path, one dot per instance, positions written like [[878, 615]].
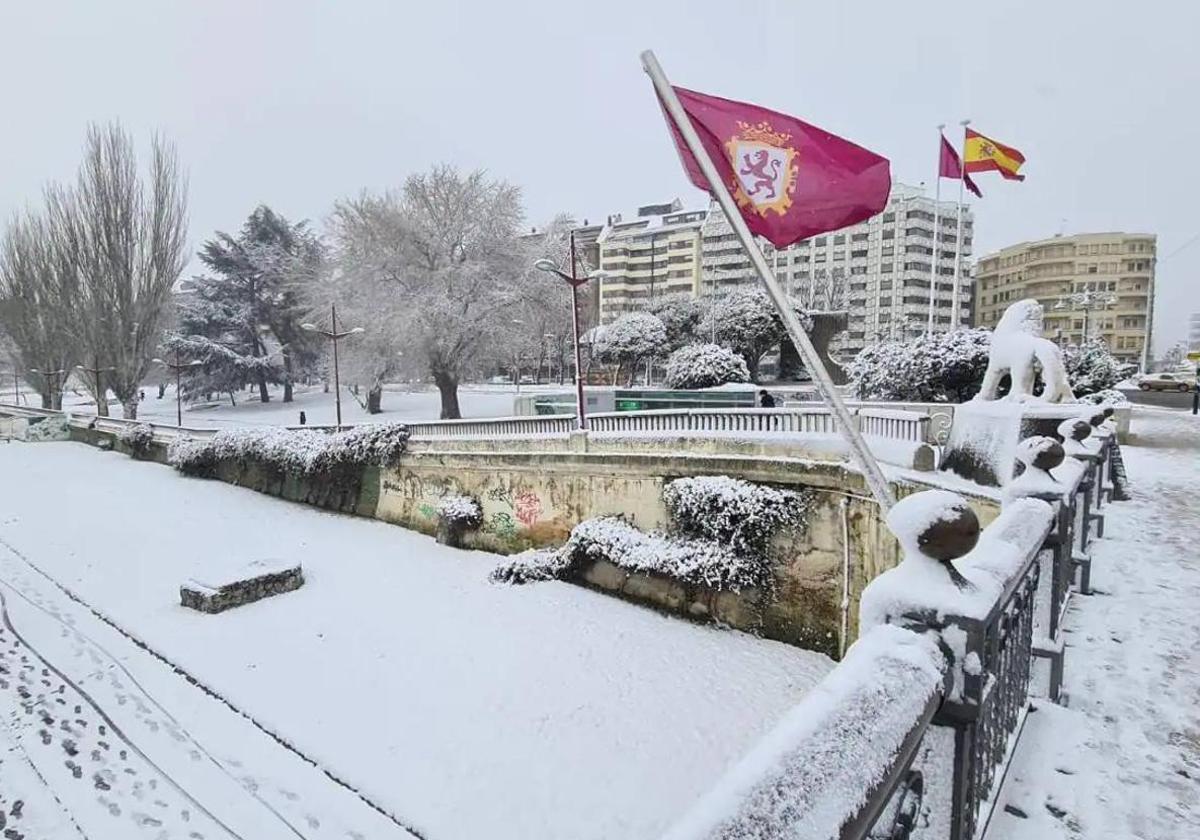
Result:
[[463, 708], [99, 749], [318, 406], [1123, 761]]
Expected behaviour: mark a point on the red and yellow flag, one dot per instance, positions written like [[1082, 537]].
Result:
[[983, 154]]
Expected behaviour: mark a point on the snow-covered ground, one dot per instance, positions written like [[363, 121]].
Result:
[[1123, 760], [399, 404], [458, 707]]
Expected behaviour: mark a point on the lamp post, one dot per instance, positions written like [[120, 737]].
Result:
[[574, 282], [48, 376], [1086, 301], [95, 371], [333, 335], [179, 367]]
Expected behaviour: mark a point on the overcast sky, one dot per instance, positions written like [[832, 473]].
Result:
[[297, 103]]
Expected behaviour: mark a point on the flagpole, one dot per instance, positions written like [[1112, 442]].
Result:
[[858, 447], [962, 180], [937, 228]]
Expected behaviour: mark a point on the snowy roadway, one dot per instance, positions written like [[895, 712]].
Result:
[[425, 696], [1123, 761]]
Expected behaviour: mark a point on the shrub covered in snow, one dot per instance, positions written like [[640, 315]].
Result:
[[137, 439], [531, 566], [690, 559], [1109, 396], [52, 428], [459, 510], [301, 453], [1091, 367], [732, 512], [699, 561], [943, 367], [705, 366]]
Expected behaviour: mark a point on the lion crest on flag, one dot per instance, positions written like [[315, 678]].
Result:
[[765, 168]]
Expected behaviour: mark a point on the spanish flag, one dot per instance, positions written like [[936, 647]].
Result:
[[982, 154]]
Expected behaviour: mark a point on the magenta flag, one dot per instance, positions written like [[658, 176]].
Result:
[[950, 166], [791, 180]]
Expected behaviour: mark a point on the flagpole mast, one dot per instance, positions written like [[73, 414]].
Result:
[[937, 229], [858, 448], [962, 180]]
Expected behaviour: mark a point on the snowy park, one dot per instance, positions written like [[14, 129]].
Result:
[[399, 692], [594, 430], [456, 707]]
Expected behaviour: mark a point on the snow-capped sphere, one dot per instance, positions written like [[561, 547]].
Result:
[[1074, 429], [935, 524], [1040, 452]]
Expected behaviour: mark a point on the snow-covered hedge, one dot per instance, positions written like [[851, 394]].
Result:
[[732, 512], [531, 566], [300, 453], [1091, 367], [943, 367], [1109, 396], [52, 428], [705, 366], [460, 510], [137, 439], [697, 561]]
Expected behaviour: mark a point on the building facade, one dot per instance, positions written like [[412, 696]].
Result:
[[652, 254], [879, 270], [1101, 283]]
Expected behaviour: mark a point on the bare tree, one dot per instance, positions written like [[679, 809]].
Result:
[[126, 239], [37, 301]]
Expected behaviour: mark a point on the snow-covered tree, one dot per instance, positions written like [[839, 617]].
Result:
[[630, 340], [705, 366], [124, 237], [436, 265], [680, 316], [1175, 355], [243, 318], [1091, 367], [38, 301], [943, 367], [745, 322]]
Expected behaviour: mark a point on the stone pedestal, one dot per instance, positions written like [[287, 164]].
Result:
[[982, 446], [254, 581]]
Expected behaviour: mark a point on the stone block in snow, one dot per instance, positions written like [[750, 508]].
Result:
[[252, 582]]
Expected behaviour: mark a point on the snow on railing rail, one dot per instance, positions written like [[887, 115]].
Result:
[[829, 768], [886, 423]]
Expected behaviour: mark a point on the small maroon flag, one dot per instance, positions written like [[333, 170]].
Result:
[[791, 180], [950, 166]]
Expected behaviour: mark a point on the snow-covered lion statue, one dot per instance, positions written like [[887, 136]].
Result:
[[1016, 344]]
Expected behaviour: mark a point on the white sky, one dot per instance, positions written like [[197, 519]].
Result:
[[296, 103]]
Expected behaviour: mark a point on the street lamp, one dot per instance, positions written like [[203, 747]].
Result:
[[179, 367], [574, 282], [95, 371], [48, 376], [1086, 301], [333, 335]]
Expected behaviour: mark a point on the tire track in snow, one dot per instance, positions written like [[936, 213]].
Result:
[[193, 680]]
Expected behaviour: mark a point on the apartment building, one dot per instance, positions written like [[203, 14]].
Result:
[[879, 270], [648, 255], [1098, 283]]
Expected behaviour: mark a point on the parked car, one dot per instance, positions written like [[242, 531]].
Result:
[[1165, 382]]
